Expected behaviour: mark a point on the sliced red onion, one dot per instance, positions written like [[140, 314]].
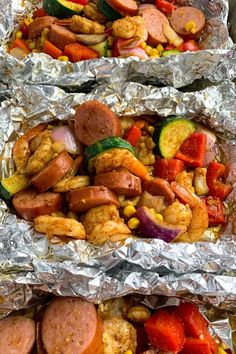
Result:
[[65, 135], [128, 43], [209, 157], [211, 138], [137, 52], [153, 228]]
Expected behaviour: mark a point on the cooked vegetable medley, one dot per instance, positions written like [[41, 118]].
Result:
[[117, 326], [100, 177], [75, 30]]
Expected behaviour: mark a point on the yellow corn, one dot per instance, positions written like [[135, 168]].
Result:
[[148, 50], [128, 352], [152, 210], [143, 45], [63, 58], [160, 48], [19, 35], [154, 52], [129, 211], [110, 41], [150, 143], [28, 20], [133, 223], [151, 129], [191, 27], [221, 351], [159, 217], [31, 45]]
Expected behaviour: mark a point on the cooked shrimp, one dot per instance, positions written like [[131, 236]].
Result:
[[116, 158], [91, 11], [37, 140], [199, 222], [124, 28], [185, 179], [41, 156], [178, 214], [141, 30], [103, 223], [119, 336], [81, 24], [70, 183], [32, 133], [56, 225], [21, 154]]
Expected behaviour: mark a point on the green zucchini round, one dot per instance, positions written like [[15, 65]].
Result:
[[108, 11], [62, 8], [170, 134]]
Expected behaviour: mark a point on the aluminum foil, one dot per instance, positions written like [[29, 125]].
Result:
[[215, 64], [139, 265]]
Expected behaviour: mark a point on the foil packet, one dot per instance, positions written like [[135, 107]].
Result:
[[216, 63], [22, 249]]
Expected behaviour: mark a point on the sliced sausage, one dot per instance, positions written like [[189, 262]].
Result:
[[154, 21], [159, 186], [72, 325], [95, 121], [183, 15], [36, 27], [17, 335], [61, 36], [124, 7], [84, 198], [123, 183], [52, 172], [29, 203]]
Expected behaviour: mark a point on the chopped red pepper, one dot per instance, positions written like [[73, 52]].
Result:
[[216, 187], [39, 13], [193, 149], [165, 331], [165, 6], [211, 341], [24, 30], [170, 47], [115, 50], [194, 323], [133, 135], [168, 169], [196, 346], [51, 50], [19, 43], [215, 210], [80, 2], [77, 52], [190, 45]]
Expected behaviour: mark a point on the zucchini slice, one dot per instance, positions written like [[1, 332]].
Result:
[[170, 134], [103, 145], [12, 185], [108, 11], [62, 8], [101, 49]]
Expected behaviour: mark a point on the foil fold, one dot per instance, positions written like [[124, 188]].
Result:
[[216, 63]]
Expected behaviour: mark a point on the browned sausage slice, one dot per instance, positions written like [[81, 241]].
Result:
[[124, 7], [159, 186], [61, 36], [17, 335], [95, 121], [72, 325], [154, 21], [123, 183], [182, 16], [85, 198], [52, 172], [29, 203], [36, 27]]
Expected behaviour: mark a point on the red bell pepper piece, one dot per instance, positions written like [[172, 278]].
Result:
[[170, 47], [165, 331], [193, 149], [215, 210], [77, 52], [115, 50], [24, 30], [39, 13], [133, 135], [165, 6], [195, 346], [80, 2], [194, 323], [216, 187], [190, 45], [211, 341], [168, 169]]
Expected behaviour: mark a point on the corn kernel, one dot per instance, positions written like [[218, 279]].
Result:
[[221, 351], [159, 217], [151, 129], [128, 352], [143, 45], [133, 223], [160, 48], [63, 58], [19, 35], [31, 45], [224, 346], [191, 27], [129, 211], [150, 143], [152, 210], [28, 20], [148, 50]]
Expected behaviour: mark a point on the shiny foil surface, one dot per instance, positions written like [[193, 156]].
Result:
[[216, 63]]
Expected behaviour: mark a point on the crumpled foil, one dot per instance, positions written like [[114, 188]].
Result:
[[216, 64]]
